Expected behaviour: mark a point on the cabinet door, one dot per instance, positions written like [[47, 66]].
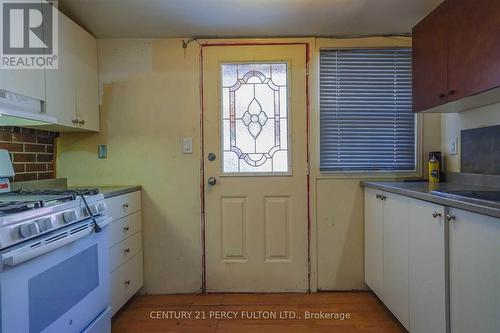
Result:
[[87, 96], [474, 47], [474, 272], [61, 89], [26, 82], [430, 60], [373, 241], [395, 254], [427, 253]]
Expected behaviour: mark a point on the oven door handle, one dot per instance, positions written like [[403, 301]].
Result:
[[15, 258]]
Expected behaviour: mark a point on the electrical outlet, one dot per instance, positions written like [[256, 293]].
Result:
[[187, 145], [453, 146]]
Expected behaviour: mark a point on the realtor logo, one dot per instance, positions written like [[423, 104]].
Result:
[[29, 34]]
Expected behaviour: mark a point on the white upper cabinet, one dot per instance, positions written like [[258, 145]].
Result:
[[474, 272], [427, 254], [26, 82], [61, 90], [72, 89]]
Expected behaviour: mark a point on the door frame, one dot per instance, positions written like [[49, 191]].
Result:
[[202, 149]]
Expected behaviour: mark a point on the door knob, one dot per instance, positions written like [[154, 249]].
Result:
[[211, 156], [212, 181]]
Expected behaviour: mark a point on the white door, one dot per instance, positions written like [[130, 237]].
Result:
[[474, 272], [427, 253], [396, 210], [374, 230], [255, 139]]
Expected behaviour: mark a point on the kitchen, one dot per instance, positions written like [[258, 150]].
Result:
[[149, 115]]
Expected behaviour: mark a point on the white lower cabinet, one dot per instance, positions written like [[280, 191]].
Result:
[[386, 250], [439, 267], [474, 272], [427, 267], [374, 230], [126, 280], [395, 256], [125, 252]]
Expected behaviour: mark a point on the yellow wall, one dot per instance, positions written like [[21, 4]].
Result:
[[338, 201], [453, 123], [150, 102], [153, 103]]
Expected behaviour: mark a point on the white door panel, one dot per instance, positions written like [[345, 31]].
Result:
[[255, 124]]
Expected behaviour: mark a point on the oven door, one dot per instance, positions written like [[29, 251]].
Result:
[[63, 289]]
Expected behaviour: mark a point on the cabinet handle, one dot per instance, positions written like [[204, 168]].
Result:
[[436, 214], [450, 217], [75, 121], [452, 92], [378, 196], [127, 282], [383, 197], [125, 205], [127, 228], [126, 251], [81, 122], [441, 96]]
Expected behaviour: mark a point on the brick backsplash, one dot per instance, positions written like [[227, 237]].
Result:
[[32, 152]]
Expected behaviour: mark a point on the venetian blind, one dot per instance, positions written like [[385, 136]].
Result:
[[366, 118]]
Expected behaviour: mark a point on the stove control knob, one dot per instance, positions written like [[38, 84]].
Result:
[[28, 230], [101, 207], [70, 216], [94, 209], [85, 212], [44, 224]]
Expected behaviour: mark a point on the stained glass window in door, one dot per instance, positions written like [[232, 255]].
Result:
[[255, 118]]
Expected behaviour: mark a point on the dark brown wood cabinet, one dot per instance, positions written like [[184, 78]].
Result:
[[430, 60], [456, 56], [474, 47]]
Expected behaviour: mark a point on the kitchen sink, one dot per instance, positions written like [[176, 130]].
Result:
[[492, 197]]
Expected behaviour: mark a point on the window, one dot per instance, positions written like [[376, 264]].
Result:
[[255, 118], [366, 118]]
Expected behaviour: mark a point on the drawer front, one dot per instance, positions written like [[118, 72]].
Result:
[[124, 250], [125, 281], [123, 205], [125, 227]]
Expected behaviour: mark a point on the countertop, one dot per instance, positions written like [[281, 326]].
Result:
[[113, 191], [422, 191]]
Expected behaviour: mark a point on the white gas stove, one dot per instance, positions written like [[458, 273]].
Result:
[[25, 214], [54, 274]]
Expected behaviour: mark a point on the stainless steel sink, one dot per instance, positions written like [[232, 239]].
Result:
[[481, 197]]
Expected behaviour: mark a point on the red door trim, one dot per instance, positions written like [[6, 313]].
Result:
[[202, 150]]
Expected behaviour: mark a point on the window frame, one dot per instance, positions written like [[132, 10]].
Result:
[[417, 172]]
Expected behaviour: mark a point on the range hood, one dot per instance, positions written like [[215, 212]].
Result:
[[19, 110]]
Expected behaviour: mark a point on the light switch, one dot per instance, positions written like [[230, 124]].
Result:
[[102, 151], [453, 146], [187, 145]]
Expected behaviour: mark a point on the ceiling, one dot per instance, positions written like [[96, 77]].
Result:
[[245, 18]]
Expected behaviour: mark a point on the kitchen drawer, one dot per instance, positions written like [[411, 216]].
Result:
[[124, 250], [125, 281], [125, 227], [123, 205]]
